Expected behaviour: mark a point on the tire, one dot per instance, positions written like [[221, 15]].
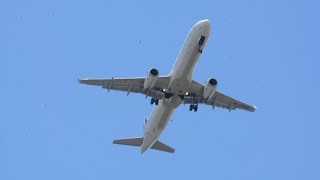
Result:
[[191, 107], [195, 108]]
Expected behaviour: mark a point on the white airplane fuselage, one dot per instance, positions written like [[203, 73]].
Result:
[[180, 80]]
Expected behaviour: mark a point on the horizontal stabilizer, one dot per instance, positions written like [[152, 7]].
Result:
[[129, 142], [162, 147], [138, 142]]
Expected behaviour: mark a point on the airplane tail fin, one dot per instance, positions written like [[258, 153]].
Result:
[[138, 142]]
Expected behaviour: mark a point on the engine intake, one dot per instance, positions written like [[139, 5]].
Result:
[[213, 82], [151, 79], [154, 72], [210, 88]]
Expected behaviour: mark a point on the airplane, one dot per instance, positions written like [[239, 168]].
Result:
[[168, 92]]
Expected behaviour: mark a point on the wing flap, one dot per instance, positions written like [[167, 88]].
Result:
[[217, 100], [130, 85], [221, 100], [113, 83]]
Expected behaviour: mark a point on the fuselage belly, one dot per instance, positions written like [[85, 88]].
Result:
[[180, 80]]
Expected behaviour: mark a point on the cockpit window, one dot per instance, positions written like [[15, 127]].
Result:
[[201, 40]]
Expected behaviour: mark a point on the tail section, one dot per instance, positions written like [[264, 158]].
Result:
[[139, 141]]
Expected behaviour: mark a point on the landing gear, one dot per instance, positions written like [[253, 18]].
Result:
[[193, 107], [168, 95], [155, 101]]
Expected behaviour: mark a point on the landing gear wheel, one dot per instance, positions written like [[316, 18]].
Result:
[[195, 108], [191, 107], [154, 101]]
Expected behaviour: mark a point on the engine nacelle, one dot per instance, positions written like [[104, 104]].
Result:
[[210, 88], [151, 79]]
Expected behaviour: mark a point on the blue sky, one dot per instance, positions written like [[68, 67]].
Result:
[[265, 53]]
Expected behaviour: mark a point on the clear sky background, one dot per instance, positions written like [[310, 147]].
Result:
[[265, 53]]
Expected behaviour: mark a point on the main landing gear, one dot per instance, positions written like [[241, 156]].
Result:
[[193, 107], [155, 101]]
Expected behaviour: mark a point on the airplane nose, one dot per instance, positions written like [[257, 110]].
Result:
[[205, 23]]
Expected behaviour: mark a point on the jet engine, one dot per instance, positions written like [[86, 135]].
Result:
[[151, 79], [210, 88]]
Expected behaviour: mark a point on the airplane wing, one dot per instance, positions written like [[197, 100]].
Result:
[[130, 85], [217, 100]]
